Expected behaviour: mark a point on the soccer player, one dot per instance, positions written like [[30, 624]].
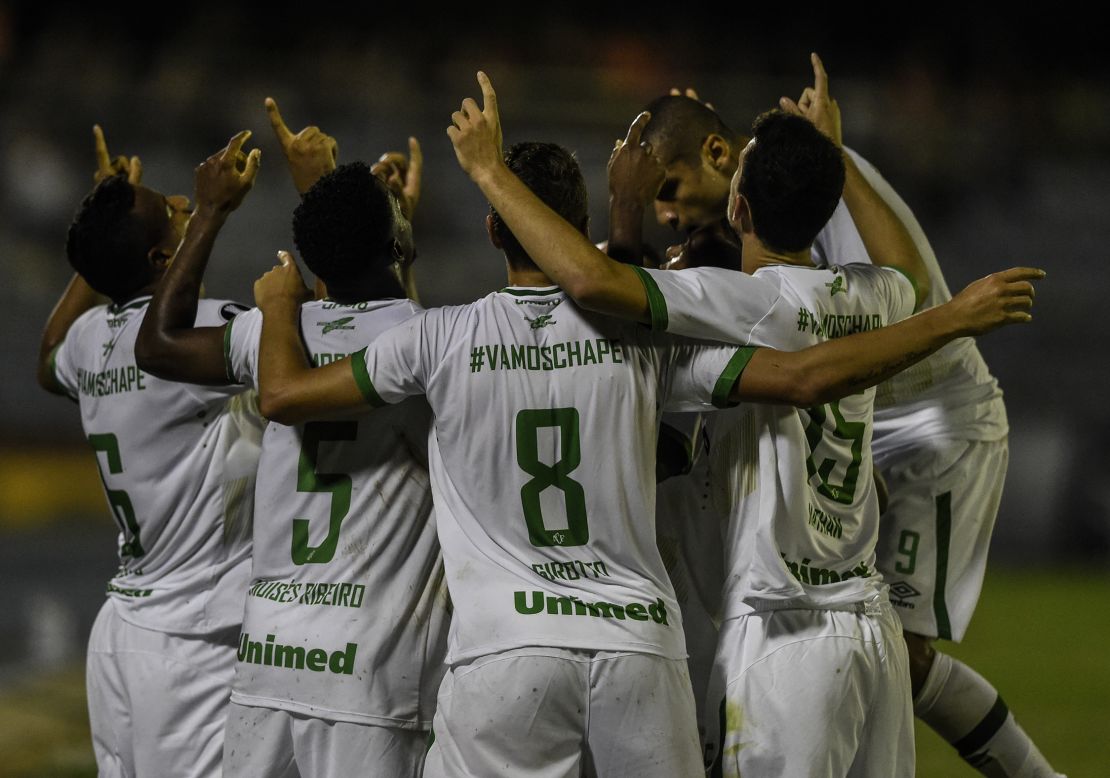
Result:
[[178, 464], [945, 476], [346, 617], [781, 535]]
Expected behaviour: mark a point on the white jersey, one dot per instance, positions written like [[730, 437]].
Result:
[[346, 615], [950, 394], [797, 484], [178, 463], [543, 465]]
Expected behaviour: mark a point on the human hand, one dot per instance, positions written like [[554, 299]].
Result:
[[223, 180], [635, 173], [281, 288], [402, 175], [999, 299], [816, 105], [106, 167], [311, 154], [692, 94], [476, 132]]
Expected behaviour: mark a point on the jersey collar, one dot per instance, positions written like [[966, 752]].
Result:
[[531, 291], [137, 302]]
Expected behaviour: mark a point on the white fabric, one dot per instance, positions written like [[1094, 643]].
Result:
[[542, 465], [157, 701], [561, 713], [951, 394], [178, 464], [346, 560], [810, 692], [279, 744], [935, 535], [797, 485]]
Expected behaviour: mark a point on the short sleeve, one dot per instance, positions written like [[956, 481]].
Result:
[[397, 364], [61, 364], [708, 302], [902, 294], [242, 336], [701, 375]]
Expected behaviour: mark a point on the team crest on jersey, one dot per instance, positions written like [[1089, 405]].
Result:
[[541, 321], [337, 324], [837, 285]]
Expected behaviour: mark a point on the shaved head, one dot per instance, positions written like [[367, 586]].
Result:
[[679, 126]]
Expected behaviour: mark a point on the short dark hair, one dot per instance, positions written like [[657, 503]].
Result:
[[107, 244], [552, 173], [793, 178], [344, 225], [679, 126]]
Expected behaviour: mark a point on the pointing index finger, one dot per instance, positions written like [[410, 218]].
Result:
[[235, 145], [636, 129], [820, 77], [103, 161], [489, 97], [280, 129]]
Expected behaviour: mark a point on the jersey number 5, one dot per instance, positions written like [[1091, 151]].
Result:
[[528, 422], [107, 444], [309, 480]]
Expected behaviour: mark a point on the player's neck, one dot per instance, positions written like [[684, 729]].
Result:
[[381, 285], [520, 277], [756, 255]]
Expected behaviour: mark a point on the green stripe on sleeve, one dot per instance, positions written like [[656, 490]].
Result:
[[362, 378], [657, 303], [723, 388], [944, 538], [228, 369]]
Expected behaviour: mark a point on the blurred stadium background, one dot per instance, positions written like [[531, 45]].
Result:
[[994, 130]]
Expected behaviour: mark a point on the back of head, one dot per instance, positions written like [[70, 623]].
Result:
[[108, 244], [345, 224], [552, 173], [792, 178], [679, 126]]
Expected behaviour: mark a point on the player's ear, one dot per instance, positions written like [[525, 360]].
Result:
[[397, 251], [159, 257], [491, 230], [740, 215], [717, 153]]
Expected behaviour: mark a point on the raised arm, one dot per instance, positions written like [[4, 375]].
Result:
[[591, 278], [635, 176], [843, 366], [168, 345], [885, 237], [290, 390], [404, 176], [310, 154]]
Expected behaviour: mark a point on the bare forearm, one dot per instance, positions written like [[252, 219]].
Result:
[[282, 363], [77, 298], [885, 237], [626, 231], [168, 345]]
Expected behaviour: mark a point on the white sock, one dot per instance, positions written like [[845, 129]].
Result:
[[964, 709]]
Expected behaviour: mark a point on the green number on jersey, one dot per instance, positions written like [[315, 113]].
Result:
[[122, 509], [845, 430], [907, 546], [544, 475], [337, 484]]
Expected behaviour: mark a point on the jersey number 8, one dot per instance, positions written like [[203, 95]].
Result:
[[544, 476]]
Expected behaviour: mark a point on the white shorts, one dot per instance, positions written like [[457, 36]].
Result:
[[560, 713], [934, 537], [279, 744], [157, 701], [810, 692]]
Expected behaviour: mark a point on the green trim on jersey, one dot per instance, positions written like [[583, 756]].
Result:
[[944, 539], [909, 278], [54, 372], [136, 303], [362, 378], [723, 388], [228, 370], [541, 292], [657, 303]]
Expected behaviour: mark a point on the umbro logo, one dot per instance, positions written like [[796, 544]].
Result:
[[338, 324], [903, 591]]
